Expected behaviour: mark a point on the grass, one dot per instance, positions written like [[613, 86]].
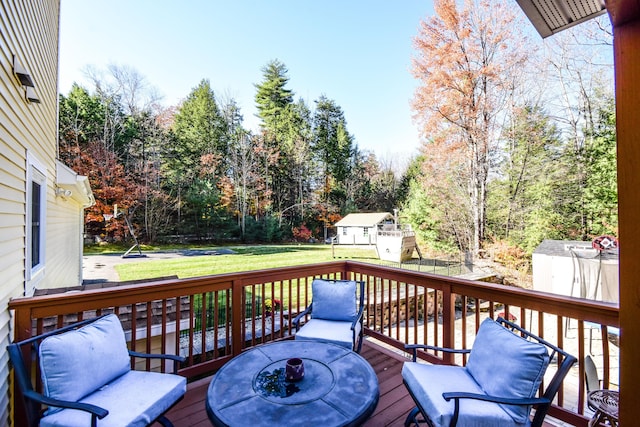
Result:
[[245, 258]]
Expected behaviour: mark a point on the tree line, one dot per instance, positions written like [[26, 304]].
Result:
[[518, 146], [194, 171]]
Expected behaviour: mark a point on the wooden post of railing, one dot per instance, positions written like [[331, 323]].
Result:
[[238, 296], [22, 332], [448, 322]]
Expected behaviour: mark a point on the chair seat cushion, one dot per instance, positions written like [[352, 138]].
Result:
[[134, 399], [330, 331], [75, 363], [428, 382]]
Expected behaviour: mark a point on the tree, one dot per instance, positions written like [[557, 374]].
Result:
[[110, 186], [197, 162], [274, 102], [372, 184], [466, 60], [431, 222], [601, 190], [333, 147], [273, 98], [523, 193], [81, 117]]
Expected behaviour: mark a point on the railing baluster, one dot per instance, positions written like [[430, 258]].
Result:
[[425, 321], [202, 309], [178, 332], [398, 302], [163, 337], [192, 300], [606, 358], [134, 318], [464, 327], [149, 317], [560, 321], [416, 311]]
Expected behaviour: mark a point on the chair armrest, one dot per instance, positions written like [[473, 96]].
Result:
[[296, 320], [358, 318], [176, 359], [414, 348], [94, 410], [495, 399]]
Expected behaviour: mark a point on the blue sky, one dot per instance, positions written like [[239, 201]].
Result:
[[356, 52]]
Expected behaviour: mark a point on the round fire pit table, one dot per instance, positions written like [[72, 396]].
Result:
[[339, 387]]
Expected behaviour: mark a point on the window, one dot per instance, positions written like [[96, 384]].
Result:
[[365, 231], [36, 204], [35, 226]]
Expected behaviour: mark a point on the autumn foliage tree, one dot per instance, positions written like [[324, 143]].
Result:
[[110, 186], [467, 60]]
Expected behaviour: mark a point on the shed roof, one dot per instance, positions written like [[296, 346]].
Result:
[[363, 219], [562, 248]]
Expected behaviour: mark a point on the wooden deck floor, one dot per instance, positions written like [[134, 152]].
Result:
[[393, 406]]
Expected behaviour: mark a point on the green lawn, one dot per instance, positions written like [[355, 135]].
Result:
[[245, 258]]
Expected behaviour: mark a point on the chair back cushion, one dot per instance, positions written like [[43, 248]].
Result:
[[76, 363], [334, 299], [507, 365]]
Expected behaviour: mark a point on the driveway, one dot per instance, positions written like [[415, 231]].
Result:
[[101, 268]]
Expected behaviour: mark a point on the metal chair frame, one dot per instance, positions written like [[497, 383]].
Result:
[[33, 401]]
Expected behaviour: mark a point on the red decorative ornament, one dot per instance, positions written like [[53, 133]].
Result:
[[603, 243]]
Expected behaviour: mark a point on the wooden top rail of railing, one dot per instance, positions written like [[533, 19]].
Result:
[[587, 310]]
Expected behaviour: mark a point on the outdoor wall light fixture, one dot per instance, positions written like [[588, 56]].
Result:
[[22, 74], [30, 95], [25, 79], [61, 192]]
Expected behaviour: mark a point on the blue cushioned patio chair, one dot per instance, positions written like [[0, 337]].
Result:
[[336, 311], [498, 386], [87, 380]]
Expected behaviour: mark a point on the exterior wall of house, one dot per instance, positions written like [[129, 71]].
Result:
[[65, 226], [356, 235], [553, 274], [29, 30]]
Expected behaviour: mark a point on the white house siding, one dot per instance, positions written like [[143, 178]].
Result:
[[360, 228], [64, 235], [356, 235], [29, 30]]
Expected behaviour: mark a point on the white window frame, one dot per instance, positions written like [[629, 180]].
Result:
[[36, 173]]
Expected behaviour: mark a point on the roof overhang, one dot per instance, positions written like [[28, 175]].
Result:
[[363, 219], [552, 16], [73, 185]]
